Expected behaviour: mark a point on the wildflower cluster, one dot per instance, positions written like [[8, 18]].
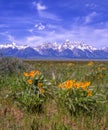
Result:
[[72, 84], [35, 79], [97, 73], [91, 63], [101, 72], [34, 93], [77, 96], [71, 64]]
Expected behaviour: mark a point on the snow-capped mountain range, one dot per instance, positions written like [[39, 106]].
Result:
[[67, 50]]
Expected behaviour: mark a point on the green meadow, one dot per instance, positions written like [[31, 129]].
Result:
[[53, 95]]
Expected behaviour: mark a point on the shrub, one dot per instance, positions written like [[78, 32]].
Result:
[[10, 66]]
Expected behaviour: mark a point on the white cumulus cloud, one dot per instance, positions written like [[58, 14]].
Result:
[[40, 26], [39, 6]]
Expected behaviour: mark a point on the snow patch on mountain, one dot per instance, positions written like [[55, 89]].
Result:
[[13, 46], [55, 50]]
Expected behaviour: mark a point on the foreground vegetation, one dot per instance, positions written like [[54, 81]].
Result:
[[53, 95]]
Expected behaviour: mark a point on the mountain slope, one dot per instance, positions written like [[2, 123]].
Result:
[[55, 50]]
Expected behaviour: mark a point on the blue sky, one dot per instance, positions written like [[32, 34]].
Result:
[[33, 22]]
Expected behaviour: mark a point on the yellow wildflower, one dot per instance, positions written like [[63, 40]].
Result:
[[42, 90], [26, 74], [39, 85], [85, 85], [60, 85], [89, 93], [32, 73], [71, 64], [67, 84], [29, 81], [77, 84], [37, 72], [73, 84], [90, 63]]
